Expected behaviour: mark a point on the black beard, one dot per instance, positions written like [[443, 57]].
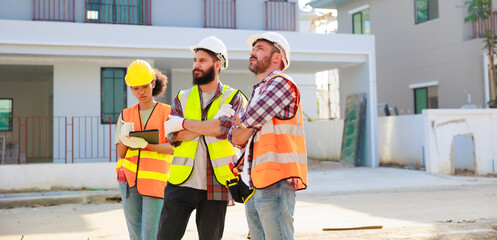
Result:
[[207, 78], [260, 66]]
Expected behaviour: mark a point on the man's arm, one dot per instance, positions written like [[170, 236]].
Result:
[[209, 128], [176, 110], [239, 134], [184, 135], [216, 127]]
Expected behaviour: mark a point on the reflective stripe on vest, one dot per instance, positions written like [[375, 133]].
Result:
[[145, 169], [279, 150], [221, 152]]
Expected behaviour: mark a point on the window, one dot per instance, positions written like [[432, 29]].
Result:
[[425, 98], [425, 10], [328, 95], [113, 94], [6, 114], [361, 23], [118, 11]]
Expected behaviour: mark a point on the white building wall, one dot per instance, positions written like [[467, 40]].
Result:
[[249, 14], [323, 139], [178, 13], [23, 94], [19, 9], [307, 86], [401, 139], [442, 125], [78, 51], [44, 177], [408, 53], [76, 89]]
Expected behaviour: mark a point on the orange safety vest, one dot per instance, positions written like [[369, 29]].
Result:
[[145, 169], [279, 149]]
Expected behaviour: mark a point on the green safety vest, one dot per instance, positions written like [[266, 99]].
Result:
[[221, 152]]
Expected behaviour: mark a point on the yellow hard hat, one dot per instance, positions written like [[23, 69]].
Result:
[[139, 73]]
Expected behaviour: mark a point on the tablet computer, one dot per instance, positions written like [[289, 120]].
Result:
[[151, 136]]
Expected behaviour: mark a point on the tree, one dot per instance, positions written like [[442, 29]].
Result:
[[480, 11]]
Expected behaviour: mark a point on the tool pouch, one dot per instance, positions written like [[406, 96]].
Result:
[[239, 190]]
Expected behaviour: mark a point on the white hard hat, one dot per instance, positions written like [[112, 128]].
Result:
[[278, 41], [216, 46]]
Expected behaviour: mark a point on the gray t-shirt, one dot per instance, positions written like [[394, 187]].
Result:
[[198, 178]]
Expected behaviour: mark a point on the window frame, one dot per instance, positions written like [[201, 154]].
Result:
[[416, 102], [360, 11], [429, 11], [11, 115], [430, 87], [115, 12], [103, 116]]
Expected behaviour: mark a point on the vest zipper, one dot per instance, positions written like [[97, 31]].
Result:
[[137, 167], [139, 150]]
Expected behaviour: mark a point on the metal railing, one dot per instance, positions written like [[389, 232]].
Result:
[[220, 14], [92, 140], [53, 10], [47, 139], [10, 141], [119, 11], [480, 27], [281, 16]]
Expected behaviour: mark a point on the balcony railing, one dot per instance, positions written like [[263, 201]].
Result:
[[53, 10], [119, 11], [49, 139], [220, 13], [281, 16], [479, 28]]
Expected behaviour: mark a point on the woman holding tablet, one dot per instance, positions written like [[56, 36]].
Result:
[[142, 171]]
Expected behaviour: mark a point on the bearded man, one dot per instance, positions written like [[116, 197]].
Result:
[[200, 120], [271, 130]]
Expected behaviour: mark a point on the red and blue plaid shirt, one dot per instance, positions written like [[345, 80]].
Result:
[[278, 98], [215, 191]]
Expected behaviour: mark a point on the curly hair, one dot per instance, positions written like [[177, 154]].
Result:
[[160, 83]]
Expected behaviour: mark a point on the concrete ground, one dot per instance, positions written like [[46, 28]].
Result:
[[407, 204]]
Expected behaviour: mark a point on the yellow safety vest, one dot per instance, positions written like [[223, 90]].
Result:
[[221, 152]]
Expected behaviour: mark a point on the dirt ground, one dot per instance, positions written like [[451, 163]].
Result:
[[461, 211]]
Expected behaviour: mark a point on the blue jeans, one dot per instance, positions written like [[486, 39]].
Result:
[[142, 213], [270, 212]]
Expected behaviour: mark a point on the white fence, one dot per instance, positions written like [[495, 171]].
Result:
[[401, 139], [323, 139], [43, 176], [444, 127]]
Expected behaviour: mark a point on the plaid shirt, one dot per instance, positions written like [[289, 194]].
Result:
[[278, 98], [215, 191]]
